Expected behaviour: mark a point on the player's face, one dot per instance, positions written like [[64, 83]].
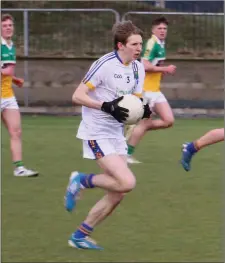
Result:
[[7, 29], [160, 31], [133, 47]]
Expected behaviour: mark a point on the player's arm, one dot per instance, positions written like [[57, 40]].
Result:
[[149, 55], [18, 81], [81, 97], [92, 80], [9, 70], [149, 67]]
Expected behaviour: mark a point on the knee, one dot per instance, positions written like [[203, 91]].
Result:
[[169, 122], [15, 133], [128, 185]]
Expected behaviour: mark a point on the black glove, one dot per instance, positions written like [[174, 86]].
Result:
[[119, 113], [147, 111]]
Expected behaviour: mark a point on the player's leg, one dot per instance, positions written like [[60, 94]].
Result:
[[189, 149], [211, 137], [106, 205], [128, 129], [136, 136], [162, 108], [119, 178], [135, 133], [99, 212], [114, 167], [164, 111], [12, 120], [103, 208]]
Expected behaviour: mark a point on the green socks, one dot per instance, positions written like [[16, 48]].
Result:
[[18, 163], [130, 149]]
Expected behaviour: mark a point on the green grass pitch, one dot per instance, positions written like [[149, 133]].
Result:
[[171, 216]]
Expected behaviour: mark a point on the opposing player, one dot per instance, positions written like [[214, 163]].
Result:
[[101, 128], [191, 148], [9, 108], [154, 54]]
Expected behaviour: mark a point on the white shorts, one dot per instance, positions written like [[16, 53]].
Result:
[[152, 98], [9, 103], [96, 149]]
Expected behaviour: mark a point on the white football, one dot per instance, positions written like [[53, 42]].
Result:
[[135, 107]]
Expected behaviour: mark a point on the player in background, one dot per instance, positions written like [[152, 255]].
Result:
[[153, 57], [10, 113], [102, 131], [191, 148]]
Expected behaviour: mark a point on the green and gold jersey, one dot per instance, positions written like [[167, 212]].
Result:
[[154, 51], [8, 56]]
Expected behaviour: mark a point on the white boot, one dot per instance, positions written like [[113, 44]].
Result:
[[24, 172], [132, 160]]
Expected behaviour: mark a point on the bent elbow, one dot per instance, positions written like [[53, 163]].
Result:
[[76, 98]]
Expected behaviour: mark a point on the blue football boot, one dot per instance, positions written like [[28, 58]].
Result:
[[186, 157], [83, 243], [72, 191]]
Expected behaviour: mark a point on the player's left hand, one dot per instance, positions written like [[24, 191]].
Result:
[[147, 111], [19, 82], [112, 107]]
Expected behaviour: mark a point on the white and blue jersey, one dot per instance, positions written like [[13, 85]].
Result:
[[108, 78]]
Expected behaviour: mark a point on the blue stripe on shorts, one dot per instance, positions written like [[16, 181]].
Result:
[[98, 153]]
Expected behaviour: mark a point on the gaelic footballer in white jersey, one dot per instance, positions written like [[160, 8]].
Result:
[[101, 129]]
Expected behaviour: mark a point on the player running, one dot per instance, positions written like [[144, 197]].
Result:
[[101, 129], [191, 148], [154, 54], [9, 108]]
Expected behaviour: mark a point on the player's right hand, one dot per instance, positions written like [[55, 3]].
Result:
[[171, 69], [18, 81], [112, 107]]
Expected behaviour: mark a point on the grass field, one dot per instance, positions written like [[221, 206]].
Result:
[[171, 216]]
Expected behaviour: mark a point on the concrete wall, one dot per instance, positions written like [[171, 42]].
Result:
[[52, 82]]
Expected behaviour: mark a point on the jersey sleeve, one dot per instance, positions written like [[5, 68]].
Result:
[[7, 56], [94, 76], [149, 50], [141, 77]]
